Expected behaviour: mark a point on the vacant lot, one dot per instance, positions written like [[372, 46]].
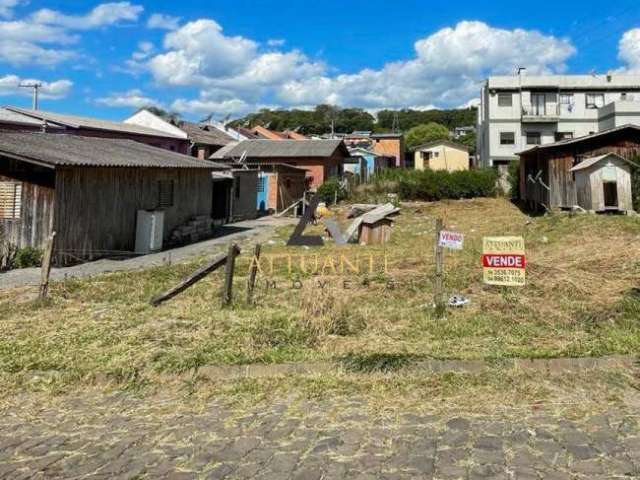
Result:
[[582, 299]]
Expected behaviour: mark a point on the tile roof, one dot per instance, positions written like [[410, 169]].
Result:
[[56, 149], [281, 149], [202, 134], [73, 121]]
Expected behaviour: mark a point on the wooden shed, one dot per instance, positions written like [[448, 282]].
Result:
[[546, 176], [90, 190], [603, 183]]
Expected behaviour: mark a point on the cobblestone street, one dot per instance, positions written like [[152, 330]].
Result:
[[124, 437]]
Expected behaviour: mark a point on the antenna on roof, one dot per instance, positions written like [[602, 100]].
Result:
[[519, 70], [36, 86]]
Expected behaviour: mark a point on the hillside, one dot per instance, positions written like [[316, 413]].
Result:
[[347, 120]]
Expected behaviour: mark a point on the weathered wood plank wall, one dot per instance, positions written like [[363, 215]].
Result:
[[97, 207]]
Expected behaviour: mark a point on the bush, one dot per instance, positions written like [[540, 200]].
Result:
[[331, 190], [635, 184], [27, 257], [514, 180], [432, 185]]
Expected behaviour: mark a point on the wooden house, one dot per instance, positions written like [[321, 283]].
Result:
[[603, 183], [90, 191], [322, 159], [21, 119], [279, 186], [547, 179]]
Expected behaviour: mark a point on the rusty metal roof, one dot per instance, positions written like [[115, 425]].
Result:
[[57, 150], [256, 149], [73, 121]]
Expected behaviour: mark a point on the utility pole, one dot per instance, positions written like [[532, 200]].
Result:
[[36, 87]]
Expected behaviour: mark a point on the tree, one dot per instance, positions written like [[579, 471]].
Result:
[[171, 117], [426, 133], [469, 141]]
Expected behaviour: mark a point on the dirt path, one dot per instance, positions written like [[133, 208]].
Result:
[[261, 229]]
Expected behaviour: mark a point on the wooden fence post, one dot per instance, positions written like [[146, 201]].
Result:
[[438, 287], [46, 266], [227, 294], [253, 271]]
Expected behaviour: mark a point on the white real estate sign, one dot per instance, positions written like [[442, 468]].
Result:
[[451, 240]]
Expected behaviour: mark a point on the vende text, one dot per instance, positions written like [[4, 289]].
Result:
[[503, 261]]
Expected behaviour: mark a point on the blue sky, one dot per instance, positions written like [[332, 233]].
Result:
[[231, 57]]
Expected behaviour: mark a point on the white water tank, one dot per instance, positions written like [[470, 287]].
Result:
[[149, 231]]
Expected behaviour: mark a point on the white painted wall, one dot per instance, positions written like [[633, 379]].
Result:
[[145, 118]]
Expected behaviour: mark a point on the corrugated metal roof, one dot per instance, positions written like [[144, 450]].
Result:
[[571, 141], [57, 149], [205, 135], [281, 149], [73, 121], [7, 116], [589, 162], [436, 143]]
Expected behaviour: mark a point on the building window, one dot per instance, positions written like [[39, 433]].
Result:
[[507, 138], [505, 99], [534, 138], [236, 187], [594, 100], [566, 99], [165, 193], [10, 200], [563, 136]]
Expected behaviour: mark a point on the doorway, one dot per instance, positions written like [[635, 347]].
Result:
[[610, 195], [538, 104]]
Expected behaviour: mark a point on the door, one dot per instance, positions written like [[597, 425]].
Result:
[[538, 104], [263, 192], [610, 194]]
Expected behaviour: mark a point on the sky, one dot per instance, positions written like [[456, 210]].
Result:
[[228, 58]]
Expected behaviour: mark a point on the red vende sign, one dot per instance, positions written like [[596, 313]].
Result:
[[503, 261]]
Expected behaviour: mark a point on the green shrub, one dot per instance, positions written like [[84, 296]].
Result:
[[514, 179], [635, 184], [432, 185], [332, 190], [27, 257]]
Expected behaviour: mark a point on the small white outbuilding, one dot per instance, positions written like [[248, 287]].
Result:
[[603, 183]]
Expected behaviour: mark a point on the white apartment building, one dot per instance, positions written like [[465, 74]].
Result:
[[518, 112]]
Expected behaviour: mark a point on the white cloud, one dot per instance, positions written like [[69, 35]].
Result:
[[7, 6], [36, 40], [145, 49], [629, 51], [10, 85], [276, 42], [132, 98], [234, 106], [447, 70], [103, 15], [163, 22], [199, 52]]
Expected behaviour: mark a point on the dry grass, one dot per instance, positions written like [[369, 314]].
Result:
[[579, 301]]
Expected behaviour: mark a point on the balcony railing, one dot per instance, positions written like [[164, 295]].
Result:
[[547, 113]]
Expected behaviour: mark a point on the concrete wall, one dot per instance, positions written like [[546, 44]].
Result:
[[443, 157], [573, 117]]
